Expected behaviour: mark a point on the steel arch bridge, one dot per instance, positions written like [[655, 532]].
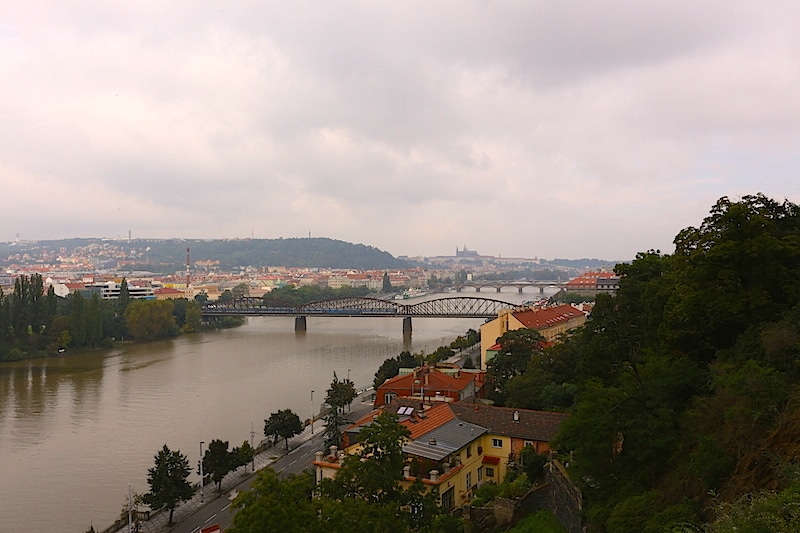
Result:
[[450, 307]]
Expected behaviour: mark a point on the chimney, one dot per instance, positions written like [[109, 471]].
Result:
[[432, 441], [433, 475], [407, 471], [516, 416]]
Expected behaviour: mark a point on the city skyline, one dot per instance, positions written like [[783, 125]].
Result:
[[523, 129]]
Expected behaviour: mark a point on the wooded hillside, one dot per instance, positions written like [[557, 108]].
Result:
[[683, 387]]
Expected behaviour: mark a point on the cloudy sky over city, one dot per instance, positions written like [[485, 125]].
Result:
[[516, 128]]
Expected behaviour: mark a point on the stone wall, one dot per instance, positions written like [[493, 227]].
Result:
[[564, 498], [558, 495]]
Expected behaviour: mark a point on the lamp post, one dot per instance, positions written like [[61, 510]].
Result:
[[201, 471], [348, 374], [312, 413], [252, 435], [130, 506]]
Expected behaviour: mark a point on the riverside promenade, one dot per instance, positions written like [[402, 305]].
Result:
[[158, 519], [266, 457]]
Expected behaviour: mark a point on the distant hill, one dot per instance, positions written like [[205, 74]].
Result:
[[165, 255], [584, 264]]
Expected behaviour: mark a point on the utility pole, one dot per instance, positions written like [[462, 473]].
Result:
[[201, 472], [130, 505], [252, 435]]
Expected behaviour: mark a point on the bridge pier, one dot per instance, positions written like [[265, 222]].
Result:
[[406, 327], [519, 290], [299, 323], [458, 289], [477, 289], [541, 290], [499, 289]]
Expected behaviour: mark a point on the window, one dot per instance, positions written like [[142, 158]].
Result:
[[449, 499], [489, 472], [469, 480], [497, 443], [480, 473], [469, 451], [388, 397]]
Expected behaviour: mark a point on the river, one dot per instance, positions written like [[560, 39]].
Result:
[[76, 430]]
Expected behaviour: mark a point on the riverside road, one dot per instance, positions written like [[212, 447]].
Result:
[[215, 507]]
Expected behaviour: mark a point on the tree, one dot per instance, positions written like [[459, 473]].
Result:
[[94, 322], [391, 367], [284, 424], [242, 454], [150, 319], [168, 481], [124, 298], [217, 461], [273, 504], [194, 315], [77, 322], [340, 393], [375, 473], [387, 283], [517, 348], [333, 427], [241, 290], [225, 297]]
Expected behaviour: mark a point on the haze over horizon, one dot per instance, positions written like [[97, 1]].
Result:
[[521, 129]]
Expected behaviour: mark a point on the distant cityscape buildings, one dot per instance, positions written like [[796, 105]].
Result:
[[99, 267]]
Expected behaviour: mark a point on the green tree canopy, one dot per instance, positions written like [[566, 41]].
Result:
[[148, 320], [273, 504], [284, 424], [391, 367], [168, 481], [217, 461], [387, 284], [341, 393]]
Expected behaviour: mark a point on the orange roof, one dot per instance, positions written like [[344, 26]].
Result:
[[431, 379], [547, 317], [421, 423], [167, 290]]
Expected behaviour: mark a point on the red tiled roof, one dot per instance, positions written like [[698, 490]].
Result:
[[547, 317], [431, 379], [167, 290], [433, 418]]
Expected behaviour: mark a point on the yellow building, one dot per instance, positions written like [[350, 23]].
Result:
[[449, 450], [550, 322]]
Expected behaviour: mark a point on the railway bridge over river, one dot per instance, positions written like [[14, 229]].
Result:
[[449, 307]]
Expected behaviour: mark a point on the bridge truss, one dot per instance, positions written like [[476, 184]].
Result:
[[450, 307]]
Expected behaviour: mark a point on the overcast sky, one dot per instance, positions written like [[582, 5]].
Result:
[[517, 128]]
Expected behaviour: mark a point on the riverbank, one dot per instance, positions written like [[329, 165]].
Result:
[[267, 455]]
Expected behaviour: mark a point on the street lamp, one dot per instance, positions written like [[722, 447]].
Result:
[[312, 413], [201, 471], [348, 374], [252, 434]]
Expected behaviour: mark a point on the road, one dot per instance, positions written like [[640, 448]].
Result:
[[217, 507]]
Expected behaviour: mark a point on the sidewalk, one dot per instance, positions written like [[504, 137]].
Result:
[[158, 519]]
